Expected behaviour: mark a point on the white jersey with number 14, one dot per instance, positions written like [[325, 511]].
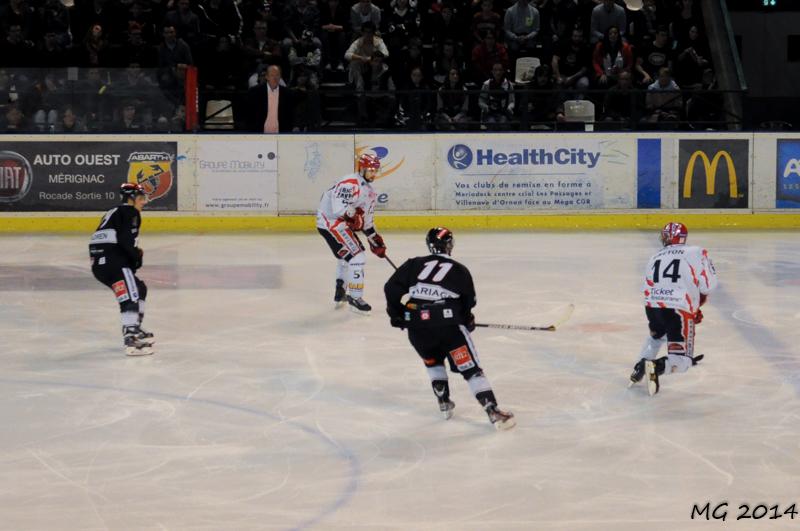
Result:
[[676, 276]]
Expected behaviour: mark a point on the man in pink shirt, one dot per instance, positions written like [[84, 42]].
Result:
[[270, 106]]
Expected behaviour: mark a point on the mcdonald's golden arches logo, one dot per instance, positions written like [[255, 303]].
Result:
[[710, 167]]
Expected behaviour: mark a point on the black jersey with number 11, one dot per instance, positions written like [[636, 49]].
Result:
[[441, 292]]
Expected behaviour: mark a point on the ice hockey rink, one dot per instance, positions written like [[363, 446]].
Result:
[[265, 408]]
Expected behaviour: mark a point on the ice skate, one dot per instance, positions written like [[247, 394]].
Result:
[[502, 420], [134, 346], [340, 295], [637, 374], [358, 305], [652, 377], [148, 338]]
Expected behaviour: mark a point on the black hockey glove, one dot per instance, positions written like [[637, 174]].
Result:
[[138, 263], [398, 322], [471, 322]]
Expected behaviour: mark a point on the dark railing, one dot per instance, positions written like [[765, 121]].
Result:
[[134, 100]]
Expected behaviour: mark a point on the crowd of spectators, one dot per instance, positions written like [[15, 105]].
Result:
[[119, 65]]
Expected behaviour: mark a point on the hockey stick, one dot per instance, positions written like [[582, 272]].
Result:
[[551, 328], [390, 262]]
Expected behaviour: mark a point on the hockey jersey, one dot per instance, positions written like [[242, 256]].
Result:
[[440, 290], [350, 192], [115, 240], [676, 276]]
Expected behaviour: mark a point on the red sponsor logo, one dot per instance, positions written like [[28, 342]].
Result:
[[120, 290], [425, 315], [461, 357]]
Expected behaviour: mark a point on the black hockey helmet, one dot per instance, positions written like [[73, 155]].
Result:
[[440, 240], [130, 191]]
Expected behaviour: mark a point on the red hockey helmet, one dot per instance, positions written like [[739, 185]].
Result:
[[368, 161], [131, 190], [674, 233]]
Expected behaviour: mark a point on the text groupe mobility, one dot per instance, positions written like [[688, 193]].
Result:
[[535, 157]]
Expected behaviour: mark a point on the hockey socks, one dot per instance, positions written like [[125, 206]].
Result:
[[441, 388]]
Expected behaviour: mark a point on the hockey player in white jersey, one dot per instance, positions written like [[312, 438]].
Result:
[[345, 209], [677, 282]]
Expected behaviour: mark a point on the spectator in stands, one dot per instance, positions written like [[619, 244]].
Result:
[[496, 99], [362, 12], [564, 16], [521, 24], [136, 50], [69, 122], [487, 19], [95, 48], [622, 102], [693, 57], [50, 54], [605, 16], [445, 25], [96, 100], [400, 26], [416, 103], [688, 14], [142, 19], [611, 57], [705, 109], [452, 103], [360, 54], [15, 50], [260, 48], [105, 13], [664, 102], [542, 106], [221, 18], [128, 121], [335, 18], [222, 68], [486, 55], [377, 102], [306, 103], [301, 15], [572, 62], [174, 57], [410, 58], [654, 56], [54, 17], [270, 108], [186, 23], [14, 120], [19, 13], [305, 57], [644, 24], [447, 59]]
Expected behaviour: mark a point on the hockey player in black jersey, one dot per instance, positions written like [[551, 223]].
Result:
[[438, 316], [115, 258]]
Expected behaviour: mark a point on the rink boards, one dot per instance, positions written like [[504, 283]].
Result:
[[565, 181]]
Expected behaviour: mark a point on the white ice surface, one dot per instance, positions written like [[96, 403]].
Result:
[[267, 409]]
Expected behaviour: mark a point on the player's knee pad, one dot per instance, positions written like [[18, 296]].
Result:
[[474, 372], [129, 306], [142, 287]]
